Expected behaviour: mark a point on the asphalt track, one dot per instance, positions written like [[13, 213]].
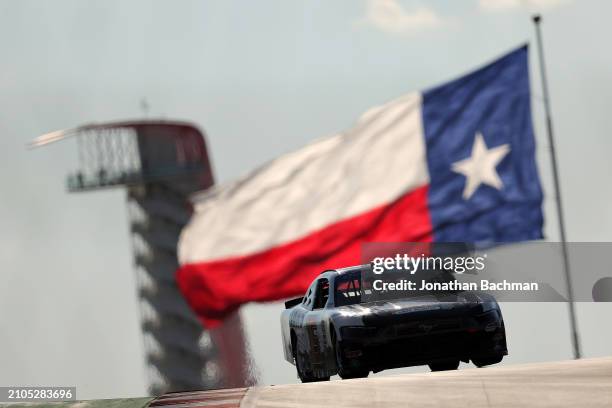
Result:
[[576, 384]]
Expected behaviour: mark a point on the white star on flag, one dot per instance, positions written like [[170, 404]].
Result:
[[480, 167]]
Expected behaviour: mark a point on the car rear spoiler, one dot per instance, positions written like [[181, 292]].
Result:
[[293, 302]]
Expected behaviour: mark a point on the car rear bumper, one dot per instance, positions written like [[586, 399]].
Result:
[[405, 345]]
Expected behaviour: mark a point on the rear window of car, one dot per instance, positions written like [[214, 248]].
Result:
[[348, 289]]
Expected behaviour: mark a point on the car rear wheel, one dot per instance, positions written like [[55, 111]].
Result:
[[485, 361], [444, 365]]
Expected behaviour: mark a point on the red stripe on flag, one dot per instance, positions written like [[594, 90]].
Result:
[[215, 289]]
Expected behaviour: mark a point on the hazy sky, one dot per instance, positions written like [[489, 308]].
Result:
[[262, 78]]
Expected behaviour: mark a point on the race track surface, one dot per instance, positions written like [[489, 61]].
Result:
[[577, 383]]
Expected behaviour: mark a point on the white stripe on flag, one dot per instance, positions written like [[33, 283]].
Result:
[[379, 160]]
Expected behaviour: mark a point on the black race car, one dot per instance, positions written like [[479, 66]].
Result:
[[337, 329]]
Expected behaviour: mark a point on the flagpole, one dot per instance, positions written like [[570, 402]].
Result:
[[551, 141]]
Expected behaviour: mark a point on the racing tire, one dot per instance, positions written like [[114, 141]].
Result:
[[343, 372], [444, 365], [301, 372], [486, 361], [300, 364]]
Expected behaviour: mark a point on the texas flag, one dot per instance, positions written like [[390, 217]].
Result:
[[449, 164]]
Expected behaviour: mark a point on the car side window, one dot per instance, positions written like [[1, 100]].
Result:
[[309, 296], [321, 294]]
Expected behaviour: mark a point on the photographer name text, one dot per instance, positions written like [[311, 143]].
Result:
[[484, 285]]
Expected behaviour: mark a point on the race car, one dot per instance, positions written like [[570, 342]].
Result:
[[336, 328]]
